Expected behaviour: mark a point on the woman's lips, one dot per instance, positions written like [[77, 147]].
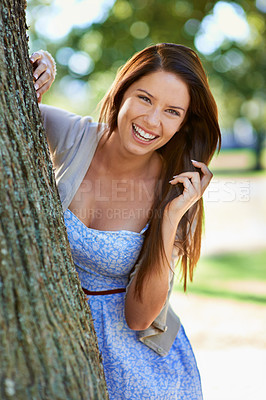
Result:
[[142, 136]]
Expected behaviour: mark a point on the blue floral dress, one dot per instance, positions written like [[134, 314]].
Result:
[[133, 371]]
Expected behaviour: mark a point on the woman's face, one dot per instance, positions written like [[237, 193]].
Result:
[[152, 111]]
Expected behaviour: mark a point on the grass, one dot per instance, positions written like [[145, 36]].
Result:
[[237, 162], [239, 276]]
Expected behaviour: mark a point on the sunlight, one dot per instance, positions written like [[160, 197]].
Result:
[[61, 16], [228, 21]]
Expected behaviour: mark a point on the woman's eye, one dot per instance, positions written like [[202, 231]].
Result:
[[174, 112], [145, 98]]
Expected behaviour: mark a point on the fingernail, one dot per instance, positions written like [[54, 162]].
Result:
[[35, 76], [36, 86], [175, 176], [38, 95], [194, 161]]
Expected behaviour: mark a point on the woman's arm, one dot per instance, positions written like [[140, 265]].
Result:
[[63, 129], [140, 314], [44, 71]]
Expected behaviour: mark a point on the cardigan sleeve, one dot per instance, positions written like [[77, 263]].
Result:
[[63, 130], [162, 332], [72, 141]]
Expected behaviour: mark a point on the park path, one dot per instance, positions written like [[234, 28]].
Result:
[[229, 336], [229, 341]]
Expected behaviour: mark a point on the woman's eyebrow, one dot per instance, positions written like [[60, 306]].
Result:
[[178, 107], [145, 91]]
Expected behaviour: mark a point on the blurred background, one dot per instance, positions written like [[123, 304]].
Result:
[[224, 311]]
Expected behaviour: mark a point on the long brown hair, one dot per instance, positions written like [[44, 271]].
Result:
[[197, 139]]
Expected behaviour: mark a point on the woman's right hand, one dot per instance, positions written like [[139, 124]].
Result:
[[44, 71]]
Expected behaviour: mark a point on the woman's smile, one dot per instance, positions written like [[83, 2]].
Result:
[[141, 135]]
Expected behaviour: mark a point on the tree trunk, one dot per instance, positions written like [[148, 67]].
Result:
[[260, 138], [48, 347]]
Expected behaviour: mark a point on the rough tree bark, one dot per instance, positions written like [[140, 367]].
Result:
[[48, 347]]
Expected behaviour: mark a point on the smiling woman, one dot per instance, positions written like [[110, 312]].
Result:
[[146, 116], [158, 116]]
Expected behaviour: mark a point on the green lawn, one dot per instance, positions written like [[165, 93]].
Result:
[[241, 276], [237, 162]]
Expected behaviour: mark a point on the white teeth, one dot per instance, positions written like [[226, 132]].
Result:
[[142, 134]]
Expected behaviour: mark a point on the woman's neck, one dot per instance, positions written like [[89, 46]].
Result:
[[111, 159]]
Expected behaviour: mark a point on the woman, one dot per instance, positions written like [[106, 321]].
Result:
[[132, 200]]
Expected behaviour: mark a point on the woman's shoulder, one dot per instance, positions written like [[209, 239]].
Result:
[[64, 129], [58, 116]]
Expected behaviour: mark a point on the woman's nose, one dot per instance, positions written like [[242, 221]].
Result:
[[153, 117]]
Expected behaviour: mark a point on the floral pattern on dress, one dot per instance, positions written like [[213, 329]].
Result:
[[133, 371]]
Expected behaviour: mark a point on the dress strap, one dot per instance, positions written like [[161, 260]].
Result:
[[145, 228]]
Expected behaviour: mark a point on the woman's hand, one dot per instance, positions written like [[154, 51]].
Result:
[[44, 71], [194, 187]]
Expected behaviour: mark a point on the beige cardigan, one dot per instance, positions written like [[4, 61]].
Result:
[[72, 140]]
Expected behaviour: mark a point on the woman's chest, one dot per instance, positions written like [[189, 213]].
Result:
[[105, 252], [112, 204]]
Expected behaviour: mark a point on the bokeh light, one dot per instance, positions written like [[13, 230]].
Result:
[[57, 20], [228, 20]]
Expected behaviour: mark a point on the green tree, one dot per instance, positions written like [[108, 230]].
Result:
[[48, 347], [237, 73]]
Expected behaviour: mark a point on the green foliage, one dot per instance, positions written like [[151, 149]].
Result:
[[237, 163], [241, 276]]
